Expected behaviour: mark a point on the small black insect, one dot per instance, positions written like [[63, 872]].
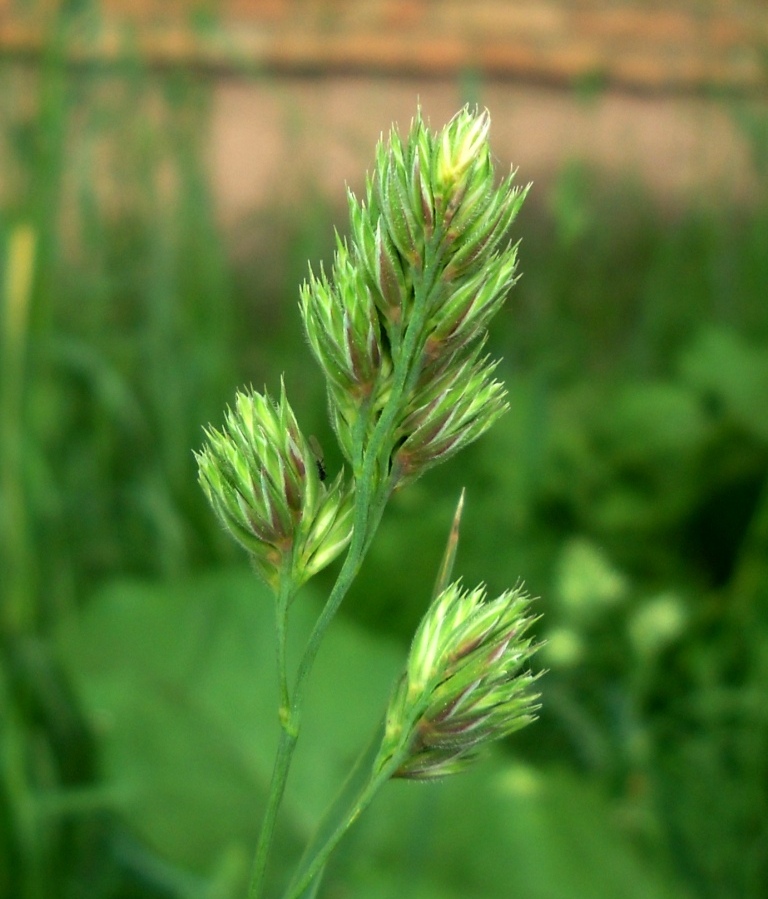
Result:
[[317, 452]]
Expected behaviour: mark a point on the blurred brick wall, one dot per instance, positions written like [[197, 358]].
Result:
[[372, 61], [643, 44]]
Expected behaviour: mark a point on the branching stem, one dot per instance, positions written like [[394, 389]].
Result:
[[371, 497]]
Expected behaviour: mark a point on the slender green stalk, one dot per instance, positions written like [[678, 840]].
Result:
[[407, 368], [288, 737], [337, 818], [369, 508], [320, 855], [290, 712], [18, 609], [286, 594], [276, 789], [18, 612], [311, 891]]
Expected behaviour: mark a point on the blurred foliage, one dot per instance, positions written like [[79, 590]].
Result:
[[628, 486], [179, 683]]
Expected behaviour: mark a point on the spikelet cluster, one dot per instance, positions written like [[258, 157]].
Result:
[[262, 480], [465, 683], [399, 321]]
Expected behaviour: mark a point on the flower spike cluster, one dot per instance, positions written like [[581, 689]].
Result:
[[447, 412], [261, 477], [464, 684], [397, 325]]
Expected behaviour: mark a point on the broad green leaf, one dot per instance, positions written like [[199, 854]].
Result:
[[178, 684], [506, 830]]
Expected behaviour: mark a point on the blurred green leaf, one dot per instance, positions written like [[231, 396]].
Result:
[[588, 583], [501, 830], [653, 421], [733, 373], [178, 683]]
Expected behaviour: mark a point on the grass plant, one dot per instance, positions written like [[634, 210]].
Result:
[[628, 483], [397, 328]]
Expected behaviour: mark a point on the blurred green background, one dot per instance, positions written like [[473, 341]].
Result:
[[628, 487]]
